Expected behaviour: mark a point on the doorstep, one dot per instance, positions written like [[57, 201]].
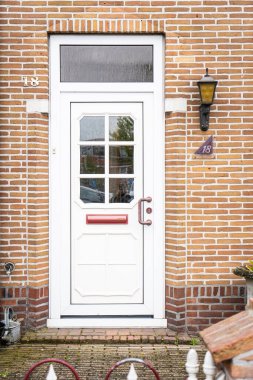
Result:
[[102, 335]]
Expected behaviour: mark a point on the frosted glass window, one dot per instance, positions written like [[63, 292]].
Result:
[[110, 63], [92, 128]]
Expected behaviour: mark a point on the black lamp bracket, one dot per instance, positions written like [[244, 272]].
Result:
[[204, 111]]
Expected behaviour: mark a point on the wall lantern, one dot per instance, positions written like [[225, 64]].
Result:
[[207, 86]]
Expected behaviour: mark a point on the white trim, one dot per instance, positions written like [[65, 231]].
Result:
[[54, 201], [37, 105], [141, 105], [159, 181], [56, 189], [106, 322], [176, 105], [106, 87]]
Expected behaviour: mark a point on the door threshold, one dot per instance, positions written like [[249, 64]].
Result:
[[107, 322]]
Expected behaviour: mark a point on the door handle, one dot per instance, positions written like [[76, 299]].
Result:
[[143, 222]]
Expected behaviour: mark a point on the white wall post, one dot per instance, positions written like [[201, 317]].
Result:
[[209, 367], [192, 364]]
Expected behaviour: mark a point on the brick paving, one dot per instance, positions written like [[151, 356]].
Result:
[[93, 351], [92, 361], [121, 336]]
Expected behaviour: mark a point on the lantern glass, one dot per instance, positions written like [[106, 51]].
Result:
[[207, 90]]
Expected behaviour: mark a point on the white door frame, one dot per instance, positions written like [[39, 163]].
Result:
[[59, 229]]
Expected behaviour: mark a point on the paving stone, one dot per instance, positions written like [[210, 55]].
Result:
[[92, 361], [74, 332], [105, 336]]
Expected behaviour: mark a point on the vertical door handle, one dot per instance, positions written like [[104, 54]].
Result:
[[144, 222]]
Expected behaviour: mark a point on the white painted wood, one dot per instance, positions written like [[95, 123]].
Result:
[[175, 105], [192, 364], [55, 193], [107, 322], [132, 375], [51, 375], [60, 149], [141, 306], [107, 87], [107, 260], [158, 48], [209, 366], [158, 171]]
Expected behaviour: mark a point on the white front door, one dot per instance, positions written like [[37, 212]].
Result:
[[106, 186], [111, 243]]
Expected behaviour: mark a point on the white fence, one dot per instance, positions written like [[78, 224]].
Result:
[[132, 375], [209, 368], [192, 366]]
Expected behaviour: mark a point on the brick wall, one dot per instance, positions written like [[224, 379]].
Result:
[[208, 201]]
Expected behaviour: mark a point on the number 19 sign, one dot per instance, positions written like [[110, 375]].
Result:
[[206, 148]]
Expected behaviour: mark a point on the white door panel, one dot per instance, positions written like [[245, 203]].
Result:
[[111, 272]]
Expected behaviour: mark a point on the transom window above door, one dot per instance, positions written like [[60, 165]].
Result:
[[107, 150], [106, 63]]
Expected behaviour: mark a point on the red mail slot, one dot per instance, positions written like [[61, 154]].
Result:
[[106, 219]]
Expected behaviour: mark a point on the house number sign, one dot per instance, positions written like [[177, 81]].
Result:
[[30, 81], [206, 148]]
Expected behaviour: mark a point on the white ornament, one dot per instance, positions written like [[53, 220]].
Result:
[[209, 367], [51, 373], [192, 364], [132, 375]]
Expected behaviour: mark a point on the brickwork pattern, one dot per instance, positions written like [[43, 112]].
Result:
[[198, 307], [208, 201], [109, 335]]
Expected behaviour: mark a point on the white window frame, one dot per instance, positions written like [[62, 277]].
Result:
[[157, 89]]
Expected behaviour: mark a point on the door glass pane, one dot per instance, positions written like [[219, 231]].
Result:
[[92, 128], [121, 190], [106, 63], [121, 159], [121, 128], [92, 159], [92, 190]]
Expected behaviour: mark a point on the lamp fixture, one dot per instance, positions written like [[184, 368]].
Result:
[[207, 86]]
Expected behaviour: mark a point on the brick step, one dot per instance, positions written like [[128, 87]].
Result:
[[132, 336]]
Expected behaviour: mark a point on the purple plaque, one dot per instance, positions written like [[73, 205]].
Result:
[[206, 147]]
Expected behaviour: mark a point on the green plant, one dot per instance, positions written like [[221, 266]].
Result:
[[176, 341], [194, 341], [4, 373], [245, 270], [250, 266]]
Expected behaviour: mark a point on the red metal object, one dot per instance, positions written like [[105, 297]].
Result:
[[51, 360], [107, 219], [146, 222], [133, 360]]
